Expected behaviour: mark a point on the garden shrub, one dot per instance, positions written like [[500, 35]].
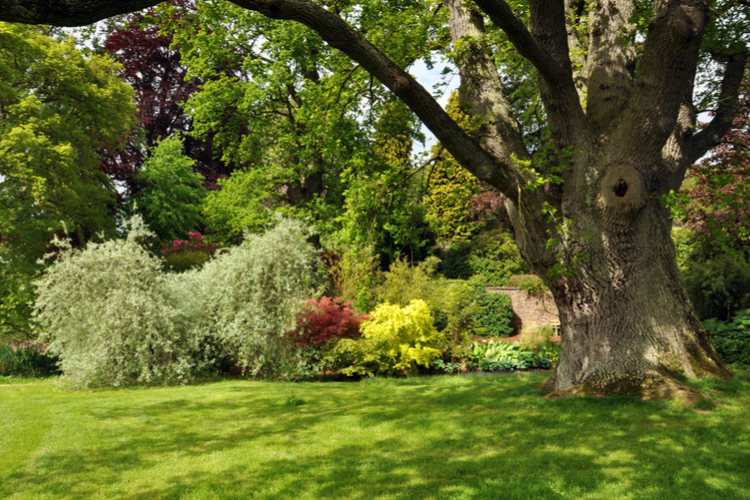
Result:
[[731, 339], [26, 363], [404, 282], [115, 318], [326, 319], [252, 295], [357, 278], [493, 356], [394, 339], [188, 254], [718, 288], [494, 313], [105, 312], [450, 301]]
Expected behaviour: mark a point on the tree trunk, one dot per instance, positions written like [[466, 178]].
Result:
[[627, 323]]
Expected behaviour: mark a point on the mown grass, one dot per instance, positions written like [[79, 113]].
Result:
[[462, 437]]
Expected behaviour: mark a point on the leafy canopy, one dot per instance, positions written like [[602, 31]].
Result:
[[58, 108]]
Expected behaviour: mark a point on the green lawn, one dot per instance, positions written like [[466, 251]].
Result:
[[462, 437]]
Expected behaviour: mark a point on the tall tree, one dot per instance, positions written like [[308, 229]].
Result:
[[154, 68], [276, 110], [172, 192], [58, 108], [384, 211], [285, 107], [617, 82]]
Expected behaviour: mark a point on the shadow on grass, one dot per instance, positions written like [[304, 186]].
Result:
[[418, 439]]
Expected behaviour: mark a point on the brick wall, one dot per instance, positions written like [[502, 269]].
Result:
[[529, 312]]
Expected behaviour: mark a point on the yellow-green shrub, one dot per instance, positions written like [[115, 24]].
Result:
[[394, 339]]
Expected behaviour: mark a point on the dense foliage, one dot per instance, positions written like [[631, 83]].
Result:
[[21, 362], [114, 317], [187, 254], [107, 313], [494, 314], [340, 154], [718, 287], [450, 301], [491, 256], [249, 296], [152, 66], [494, 356], [715, 207], [171, 193]]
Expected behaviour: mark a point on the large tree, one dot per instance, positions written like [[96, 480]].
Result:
[[58, 108], [617, 81], [153, 66]]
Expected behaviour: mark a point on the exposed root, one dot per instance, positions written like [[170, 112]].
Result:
[[652, 387]]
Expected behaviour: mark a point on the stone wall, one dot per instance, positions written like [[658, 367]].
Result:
[[529, 312]]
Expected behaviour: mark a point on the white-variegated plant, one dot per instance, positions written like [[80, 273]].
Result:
[[114, 317]]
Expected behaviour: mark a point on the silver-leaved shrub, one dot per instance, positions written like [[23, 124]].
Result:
[[251, 295], [114, 317], [107, 313]]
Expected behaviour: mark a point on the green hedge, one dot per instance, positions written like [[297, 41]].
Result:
[[493, 315], [719, 287]]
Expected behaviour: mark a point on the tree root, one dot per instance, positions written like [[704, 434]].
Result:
[[652, 387]]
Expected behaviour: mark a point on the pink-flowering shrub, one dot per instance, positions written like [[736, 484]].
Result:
[[326, 319], [187, 254], [195, 243]]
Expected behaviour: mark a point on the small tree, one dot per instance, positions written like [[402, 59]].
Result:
[[326, 319], [394, 339], [172, 193]]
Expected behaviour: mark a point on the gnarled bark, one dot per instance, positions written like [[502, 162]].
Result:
[[627, 323]]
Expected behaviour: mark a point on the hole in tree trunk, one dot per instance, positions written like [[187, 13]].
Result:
[[621, 187]]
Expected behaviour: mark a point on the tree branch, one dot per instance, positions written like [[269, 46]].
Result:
[[729, 103], [667, 71], [547, 50], [67, 12], [480, 84], [503, 17]]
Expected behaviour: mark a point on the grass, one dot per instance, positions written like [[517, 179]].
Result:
[[460, 437]]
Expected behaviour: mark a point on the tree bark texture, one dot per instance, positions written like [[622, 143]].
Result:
[[620, 110]]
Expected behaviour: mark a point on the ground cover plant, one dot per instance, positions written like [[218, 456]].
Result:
[[731, 338], [450, 437], [493, 356]]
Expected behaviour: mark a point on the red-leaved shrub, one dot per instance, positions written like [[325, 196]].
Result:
[[325, 319]]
